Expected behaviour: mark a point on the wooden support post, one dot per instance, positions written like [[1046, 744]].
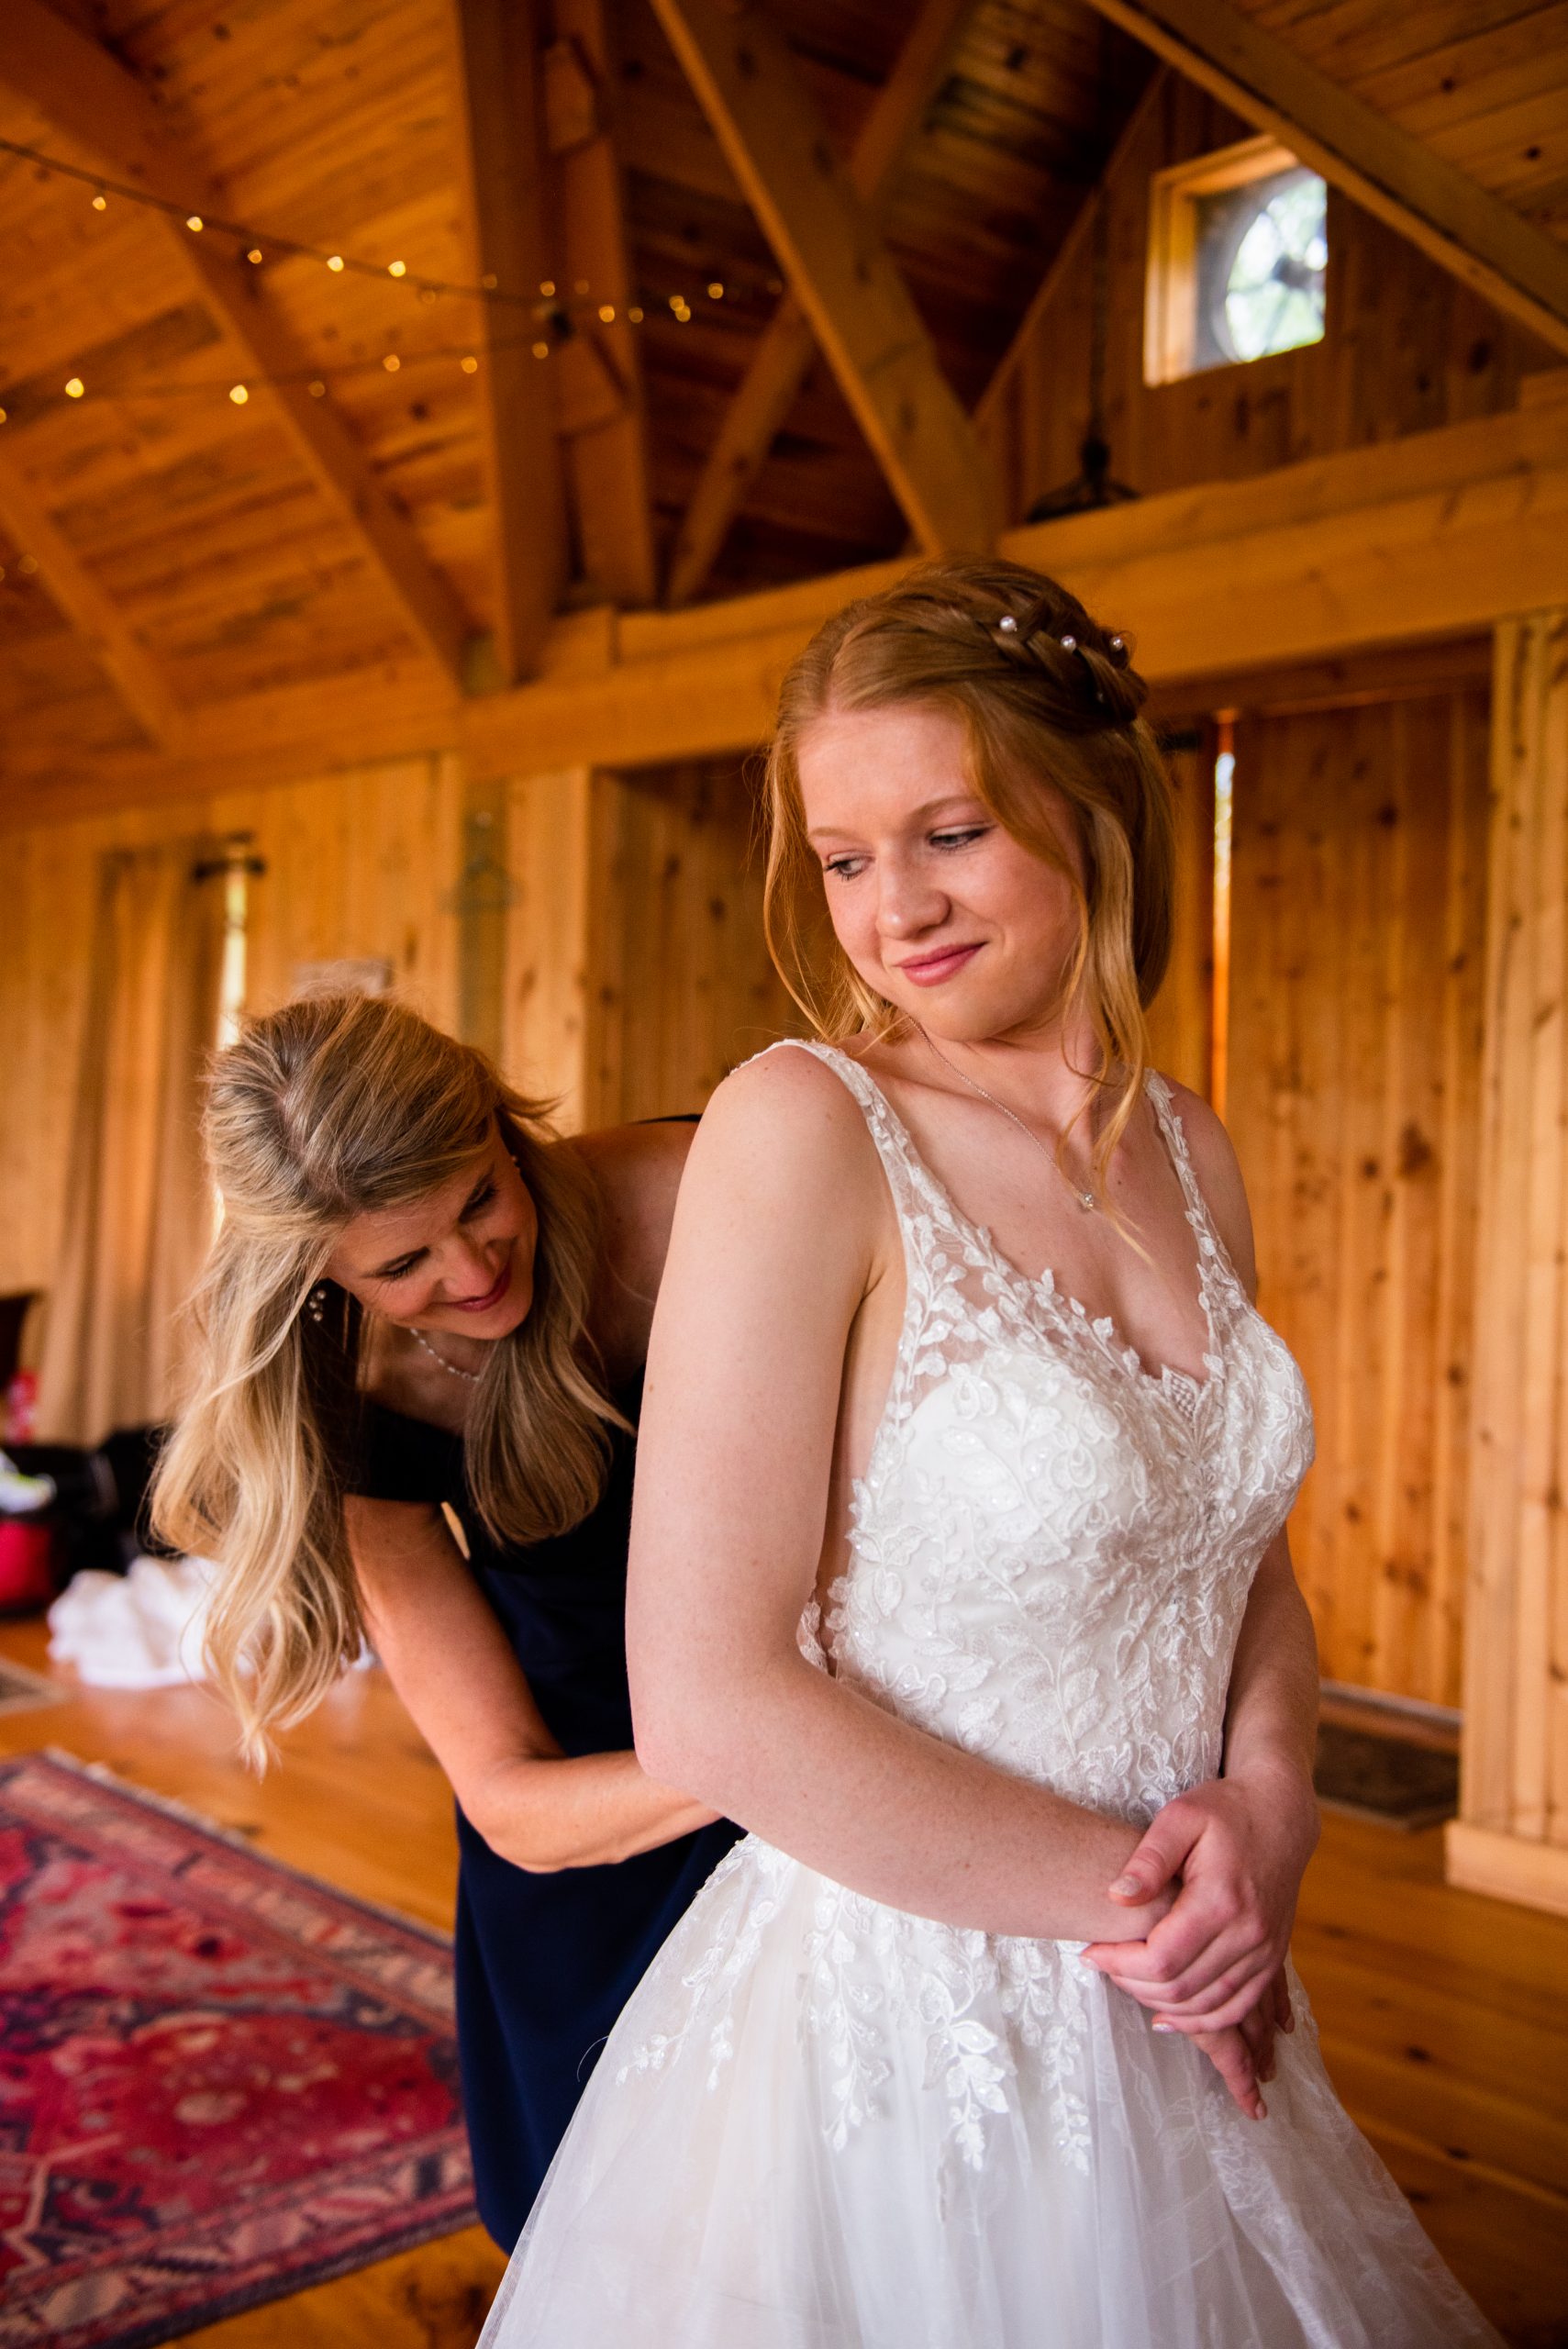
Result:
[[495, 69], [607, 449], [1511, 1838], [486, 893], [839, 268], [550, 1029]]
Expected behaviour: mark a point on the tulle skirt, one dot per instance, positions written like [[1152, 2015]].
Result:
[[822, 2123]]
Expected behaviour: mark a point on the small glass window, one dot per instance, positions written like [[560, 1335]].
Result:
[[1239, 255]]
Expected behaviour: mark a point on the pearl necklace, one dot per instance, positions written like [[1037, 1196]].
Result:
[[1085, 1199], [472, 1377]]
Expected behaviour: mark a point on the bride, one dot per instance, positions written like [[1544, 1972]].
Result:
[[956, 1353]]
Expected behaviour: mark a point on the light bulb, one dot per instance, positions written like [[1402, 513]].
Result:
[[100, 201], [392, 362], [75, 389], [238, 394], [335, 261], [397, 269], [195, 224]]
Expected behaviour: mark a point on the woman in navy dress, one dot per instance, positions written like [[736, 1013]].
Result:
[[419, 1352], [545, 1961]]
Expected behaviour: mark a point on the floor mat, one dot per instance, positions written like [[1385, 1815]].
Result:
[[1389, 1778], [220, 2080]]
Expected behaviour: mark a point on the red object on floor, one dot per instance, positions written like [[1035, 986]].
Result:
[[221, 2081], [27, 1564]]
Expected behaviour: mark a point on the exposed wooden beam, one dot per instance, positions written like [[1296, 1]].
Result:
[[103, 110], [1380, 166], [785, 349], [137, 679], [1433, 535], [608, 459], [839, 268], [495, 49], [1068, 253]]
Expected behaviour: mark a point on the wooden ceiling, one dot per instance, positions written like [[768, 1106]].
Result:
[[167, 550]]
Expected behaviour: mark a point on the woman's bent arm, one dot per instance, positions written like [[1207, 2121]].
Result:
[[780, 1232], [448, 1660]]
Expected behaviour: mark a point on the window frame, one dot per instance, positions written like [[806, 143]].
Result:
[[1175, 193]]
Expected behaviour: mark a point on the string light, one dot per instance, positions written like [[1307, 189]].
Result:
[[257, 244], [392, 362], [607, 314], [541, 350], [74, 388], [470, 365], [317, 389], [238, 394], [716, 292]]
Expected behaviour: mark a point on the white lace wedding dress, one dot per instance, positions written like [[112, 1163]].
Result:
[[823, 2123]]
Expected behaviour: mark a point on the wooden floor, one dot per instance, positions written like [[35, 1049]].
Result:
[[1444, 2014]]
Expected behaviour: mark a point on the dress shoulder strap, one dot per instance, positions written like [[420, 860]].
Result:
[[1212, 1250]]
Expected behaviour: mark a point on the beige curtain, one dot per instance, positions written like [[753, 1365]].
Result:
[[139, 1213]]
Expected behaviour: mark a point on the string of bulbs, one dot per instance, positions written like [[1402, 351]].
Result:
[[550, 308]]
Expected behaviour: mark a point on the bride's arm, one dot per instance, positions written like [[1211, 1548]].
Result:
[[782, 1229]]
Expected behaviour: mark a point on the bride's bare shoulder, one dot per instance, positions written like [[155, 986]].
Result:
[[791, 1111]]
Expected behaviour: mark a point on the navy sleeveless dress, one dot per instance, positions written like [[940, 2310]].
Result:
[[544, 1963]]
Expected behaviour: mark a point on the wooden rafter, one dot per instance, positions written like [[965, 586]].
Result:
[[1380, 166], [839, 268], [785, 349], [100, 108], [495, 50], [137, 679], [607, 448]]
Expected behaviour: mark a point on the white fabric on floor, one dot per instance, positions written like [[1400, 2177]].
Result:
[[139, 1630]]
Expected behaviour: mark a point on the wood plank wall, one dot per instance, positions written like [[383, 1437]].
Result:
[[1512, 1836], [1181, 1017], [1406, 348], [685, 989], [1357, 950], [634, 934], [357, 864]]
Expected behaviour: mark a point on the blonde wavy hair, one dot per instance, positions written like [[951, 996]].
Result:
[[1045, 696], [330, 1107]]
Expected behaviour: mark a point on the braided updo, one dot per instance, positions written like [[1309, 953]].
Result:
[[1046, 696]]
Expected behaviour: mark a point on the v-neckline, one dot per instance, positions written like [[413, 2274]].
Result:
[[1170, 1379]]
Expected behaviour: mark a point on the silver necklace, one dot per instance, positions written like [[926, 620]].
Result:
[[472, 1377], [1085, 1199]]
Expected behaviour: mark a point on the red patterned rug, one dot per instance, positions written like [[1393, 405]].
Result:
[[219, 2079]]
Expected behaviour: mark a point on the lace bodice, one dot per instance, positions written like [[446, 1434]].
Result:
[[1052, 1546]]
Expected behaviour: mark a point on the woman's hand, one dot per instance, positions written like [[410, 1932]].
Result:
[[1239, 1847], [1244, 2055]]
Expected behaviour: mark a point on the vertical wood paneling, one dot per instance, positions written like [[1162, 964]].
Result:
[[1357, 926], [1513, 1834], [1181, 1017], [359, 864], [686, 990]]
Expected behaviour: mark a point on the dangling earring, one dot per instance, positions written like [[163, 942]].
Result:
[[316, 1305]]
